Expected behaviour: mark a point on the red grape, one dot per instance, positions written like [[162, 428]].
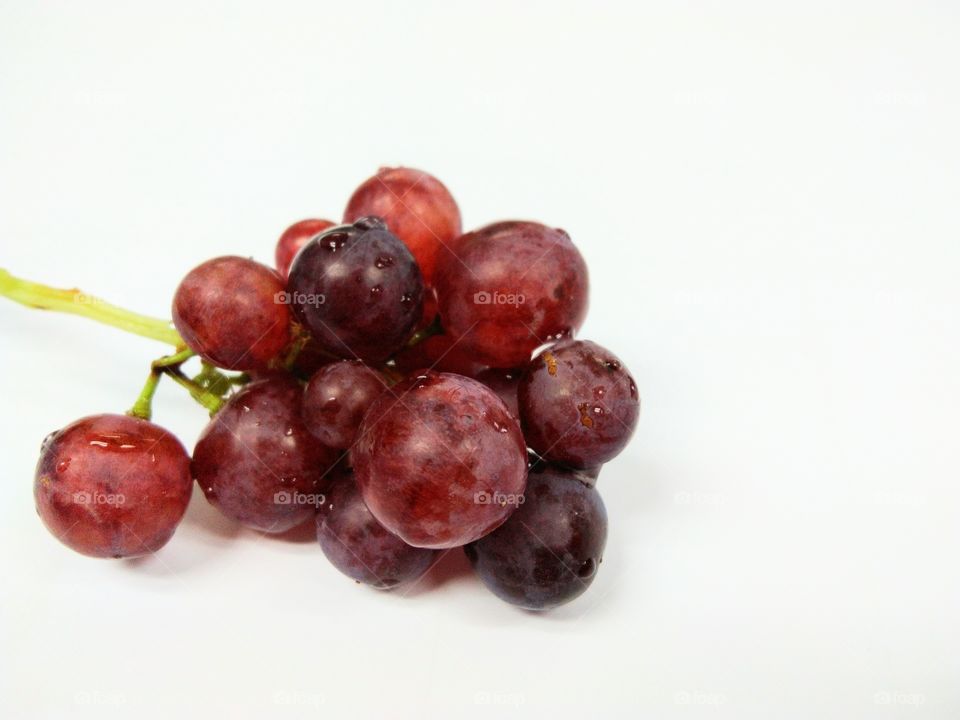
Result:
[[112, 485], [360, 547], [358, 290], [440, 460], [509, 288], [336, 398], [548, 552], [257, 463], [294, 238], [578, 403], [417, 208], [232, 312]]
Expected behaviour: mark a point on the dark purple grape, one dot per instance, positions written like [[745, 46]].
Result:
[[578, 403], [257, 463], [336, 398], [510, 287], [294, 238], [505, 384], [417, 208], [112, 485], [232, 312], [358, 289], [360, 547], [440, 460], [547, 553]]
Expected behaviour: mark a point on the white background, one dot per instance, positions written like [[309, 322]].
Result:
[[768, 203]]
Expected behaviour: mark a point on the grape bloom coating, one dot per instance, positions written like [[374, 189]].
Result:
[[440, 460]]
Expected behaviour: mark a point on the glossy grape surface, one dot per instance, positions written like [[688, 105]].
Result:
[[232, 312], [417, 208], [358, 290], [336, 398], [440, 460], [509, 288], [257, 463], [360, 547], [578, 404], [112, 485], [548, 552], [294, 238]]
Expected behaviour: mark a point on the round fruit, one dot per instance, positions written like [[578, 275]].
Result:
[[232, 312], [578, 404], [112, 485], [417, 208], [547, 552], [358, 290], [509, 288], [440, 460], [336, 398], [360, 547], [294, 238], [257, 463]]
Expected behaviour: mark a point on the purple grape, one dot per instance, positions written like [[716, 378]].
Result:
[[257, 463], [358, 290], [336, 398], [360, 547], [547, 553], [578, 404]]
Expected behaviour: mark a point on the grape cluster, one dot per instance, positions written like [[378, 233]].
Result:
[[407, 387]]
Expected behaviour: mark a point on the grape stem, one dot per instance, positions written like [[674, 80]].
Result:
[[75, 302]]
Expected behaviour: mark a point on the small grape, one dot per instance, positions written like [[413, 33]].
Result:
[[336, 398], [578, 404]]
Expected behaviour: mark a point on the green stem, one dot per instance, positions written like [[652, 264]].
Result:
[[143, 407], [203, 396], [76, 302]]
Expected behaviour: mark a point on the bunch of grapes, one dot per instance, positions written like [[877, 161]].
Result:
[[407, 387]]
